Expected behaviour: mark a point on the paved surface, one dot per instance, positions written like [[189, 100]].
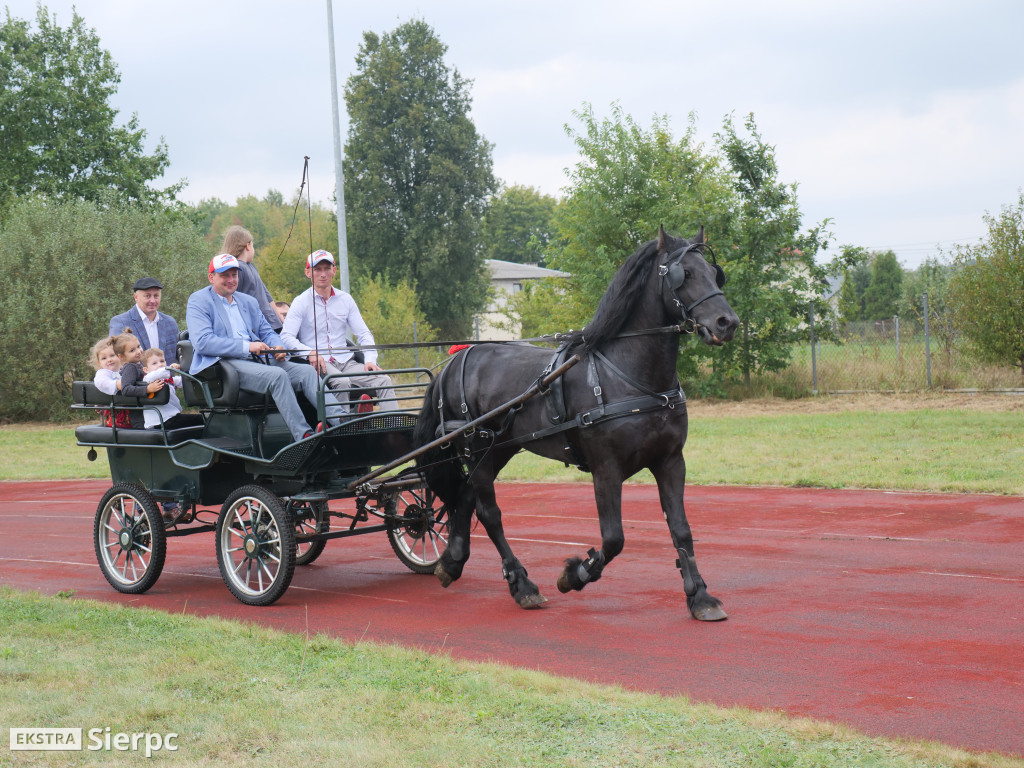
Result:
[[898, 614]]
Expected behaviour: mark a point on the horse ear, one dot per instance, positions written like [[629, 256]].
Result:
[[700, 234], [662, 238]]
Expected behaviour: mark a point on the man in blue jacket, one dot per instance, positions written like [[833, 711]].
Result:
[[154, 329], [228, 327]]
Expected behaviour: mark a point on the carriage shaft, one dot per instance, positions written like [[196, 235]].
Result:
[[533, 390]]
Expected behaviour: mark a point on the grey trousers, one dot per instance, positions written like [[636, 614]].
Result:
[[365, 379], [281, 379]]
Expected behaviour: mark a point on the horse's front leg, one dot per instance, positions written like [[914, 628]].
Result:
[[671, 477], [525, 592], [579, 572]]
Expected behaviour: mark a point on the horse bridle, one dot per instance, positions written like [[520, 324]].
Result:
[[672, 270]]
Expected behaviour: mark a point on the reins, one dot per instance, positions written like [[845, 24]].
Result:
[[553, 338]]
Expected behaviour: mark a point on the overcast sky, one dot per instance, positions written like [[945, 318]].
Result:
[[902, 122]]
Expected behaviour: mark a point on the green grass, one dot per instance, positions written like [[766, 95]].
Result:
[[238, 695], [46, 452], [927, 450]]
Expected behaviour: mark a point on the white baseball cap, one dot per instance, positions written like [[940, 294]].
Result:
[[222, 262], [317, 256]]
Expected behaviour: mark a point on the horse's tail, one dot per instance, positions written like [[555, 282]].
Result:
[[442, 473]]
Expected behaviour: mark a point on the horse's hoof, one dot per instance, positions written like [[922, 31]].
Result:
[[443, 576], [535, 600], [710, 613], [563, 583]]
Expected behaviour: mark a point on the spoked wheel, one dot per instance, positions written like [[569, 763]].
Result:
[[128, 532], [255, 545], [420, 534], [310, 518]]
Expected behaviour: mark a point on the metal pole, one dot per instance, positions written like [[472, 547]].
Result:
[[927, 342], [896, 325], [339, 174], [416, 341], [814, 356]]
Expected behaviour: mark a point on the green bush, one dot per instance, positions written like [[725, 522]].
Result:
[[393, 315], [65, 269]]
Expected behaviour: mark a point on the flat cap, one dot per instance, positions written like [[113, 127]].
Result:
[[146, 282]]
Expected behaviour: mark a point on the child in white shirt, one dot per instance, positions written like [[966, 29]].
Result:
[[108, 379], [155, 367]]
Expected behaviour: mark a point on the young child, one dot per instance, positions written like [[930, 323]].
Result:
[[108, 380], [129, 352], [155, 366]]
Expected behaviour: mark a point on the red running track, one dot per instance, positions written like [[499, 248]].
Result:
[[898, 614]]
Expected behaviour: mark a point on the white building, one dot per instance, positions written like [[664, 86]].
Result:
[[507, 279]]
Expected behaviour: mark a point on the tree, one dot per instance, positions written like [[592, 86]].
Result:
[[284, 235], [417, 174], [392, 313], [882, 296], [987, 292], [58, 135], [772, 272], [932, 277], [628, 181], [519, 224], [856, 279], [65, 269]]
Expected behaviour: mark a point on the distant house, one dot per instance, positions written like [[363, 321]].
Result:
[[507, 279]]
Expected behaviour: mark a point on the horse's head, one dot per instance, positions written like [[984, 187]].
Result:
[[692, 287]]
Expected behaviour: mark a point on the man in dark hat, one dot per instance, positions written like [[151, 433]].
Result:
[[153, 328]]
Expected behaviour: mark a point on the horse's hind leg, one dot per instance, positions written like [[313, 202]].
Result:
[[671, 477], [579, 572], [449, 567], [525, 592]]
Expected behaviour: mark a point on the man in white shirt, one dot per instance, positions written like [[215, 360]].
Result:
[[317, 324]]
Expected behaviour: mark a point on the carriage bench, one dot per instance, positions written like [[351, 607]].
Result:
[[85, 396]]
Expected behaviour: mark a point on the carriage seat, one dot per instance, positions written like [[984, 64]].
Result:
[[84, 394], [222, 381]]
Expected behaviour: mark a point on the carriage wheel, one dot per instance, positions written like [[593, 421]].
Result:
[[255, 545], [310, 518], [422, 538], [128, 532]]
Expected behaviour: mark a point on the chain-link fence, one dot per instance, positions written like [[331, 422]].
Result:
[[893, 355]]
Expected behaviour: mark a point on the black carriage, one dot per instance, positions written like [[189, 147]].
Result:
[[272, 503]]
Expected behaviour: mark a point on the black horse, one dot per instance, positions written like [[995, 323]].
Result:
[[617, 411]]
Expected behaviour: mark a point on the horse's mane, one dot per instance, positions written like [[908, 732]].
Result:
[[619, 301]]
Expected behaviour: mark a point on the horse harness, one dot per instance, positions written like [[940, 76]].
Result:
[[554, 394]]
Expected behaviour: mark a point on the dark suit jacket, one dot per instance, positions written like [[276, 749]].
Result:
[[167, 328]]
